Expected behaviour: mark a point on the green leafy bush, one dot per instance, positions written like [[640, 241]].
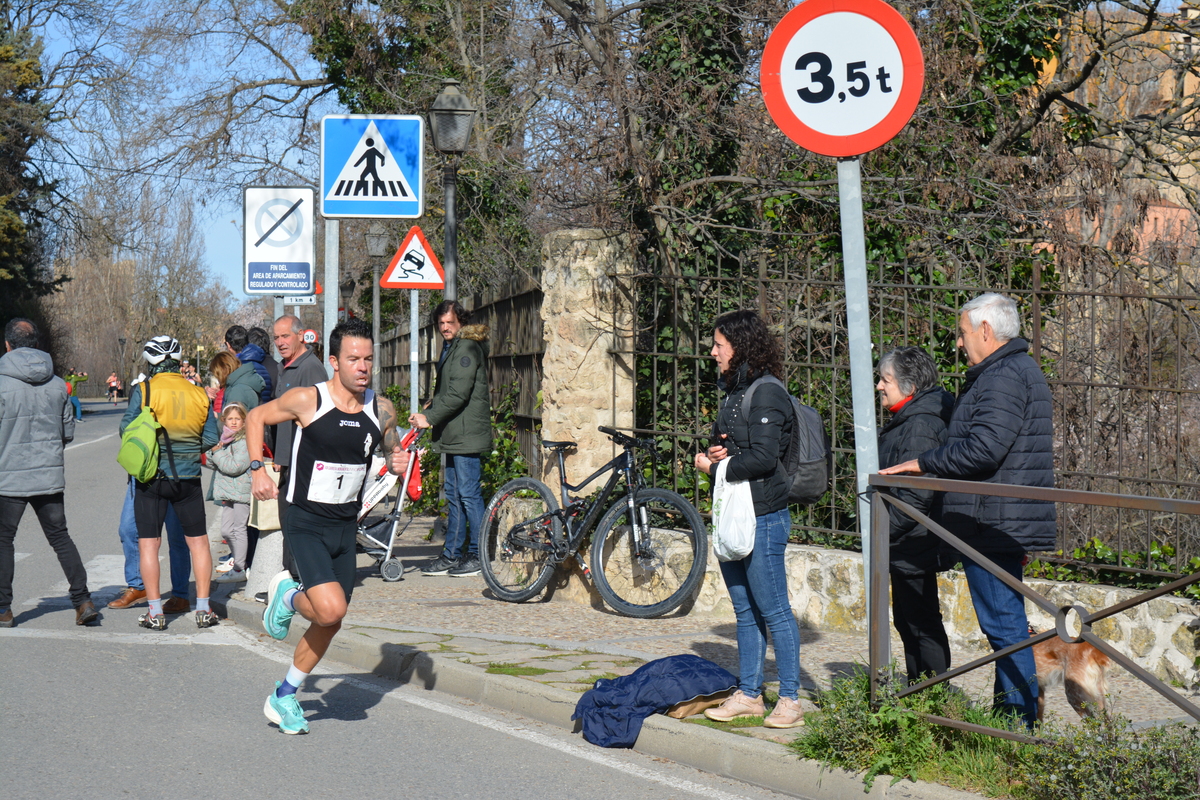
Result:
[[894, 740], [1096, 758], [1104, 757]]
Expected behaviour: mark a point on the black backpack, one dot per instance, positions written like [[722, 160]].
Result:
[[808, 459]]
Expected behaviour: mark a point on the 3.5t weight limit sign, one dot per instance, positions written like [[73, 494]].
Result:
[[842, 77]]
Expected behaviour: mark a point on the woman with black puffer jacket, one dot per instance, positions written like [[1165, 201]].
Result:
[[920, 408], [752, 440]]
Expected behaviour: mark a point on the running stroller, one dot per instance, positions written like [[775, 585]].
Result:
[[377, 535]]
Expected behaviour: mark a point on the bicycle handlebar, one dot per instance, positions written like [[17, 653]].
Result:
[[626, 441]]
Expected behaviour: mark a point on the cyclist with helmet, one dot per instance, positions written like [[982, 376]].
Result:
[[183, 411]]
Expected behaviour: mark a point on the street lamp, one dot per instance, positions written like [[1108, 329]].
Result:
[[451, 119], [377, 239], [346, 292], [121, 341]]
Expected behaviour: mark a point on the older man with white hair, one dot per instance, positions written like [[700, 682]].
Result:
[[1001, 431]]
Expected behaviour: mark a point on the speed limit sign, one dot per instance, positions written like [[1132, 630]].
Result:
[[309, 336], [842, 77]]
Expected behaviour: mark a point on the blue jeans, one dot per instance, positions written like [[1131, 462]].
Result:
[[1001, 614], [464, 504], [181, 559], [78, 407], [757, 586]]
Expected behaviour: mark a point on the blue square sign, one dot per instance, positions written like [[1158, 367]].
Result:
[[372, 166]]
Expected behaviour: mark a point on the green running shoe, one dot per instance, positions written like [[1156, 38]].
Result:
[[285, 712], [278, 618]]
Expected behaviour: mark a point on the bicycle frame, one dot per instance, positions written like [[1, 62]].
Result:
[[571, 508]]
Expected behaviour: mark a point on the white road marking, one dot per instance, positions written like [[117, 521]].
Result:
[[92, 441], [214, 636], [240, 637], [18, 556], [401, 694], [102, 571]]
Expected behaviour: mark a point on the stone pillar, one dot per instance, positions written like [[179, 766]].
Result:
[[587, 367]]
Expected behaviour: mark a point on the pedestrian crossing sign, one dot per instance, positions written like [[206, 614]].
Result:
[[415, 265], [372, 166]]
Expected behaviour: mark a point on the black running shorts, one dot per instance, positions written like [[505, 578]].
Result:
[[150, 501], [322, 548]]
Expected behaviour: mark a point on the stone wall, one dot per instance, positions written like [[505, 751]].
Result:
[[586, 382], [827, 593]]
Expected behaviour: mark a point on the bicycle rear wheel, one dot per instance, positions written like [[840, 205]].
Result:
[[515, 548], [649, 569]]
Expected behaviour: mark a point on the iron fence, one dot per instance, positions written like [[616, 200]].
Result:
[[516, 343], [1119, 342]]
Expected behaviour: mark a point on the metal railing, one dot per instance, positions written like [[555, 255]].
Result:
[[878, 629]]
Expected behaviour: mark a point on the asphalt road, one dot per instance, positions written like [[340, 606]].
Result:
[[116, 711]]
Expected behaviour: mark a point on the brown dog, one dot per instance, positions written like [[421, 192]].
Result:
[[1080, 666]]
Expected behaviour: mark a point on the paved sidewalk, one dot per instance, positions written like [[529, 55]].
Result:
[[537, 658]]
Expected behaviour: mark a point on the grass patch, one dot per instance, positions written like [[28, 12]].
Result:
[[519, 670], [1095, 759], [890, 740], [731, 726], [591, 679]]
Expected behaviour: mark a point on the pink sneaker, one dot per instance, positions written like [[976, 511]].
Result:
[[786, 714], [738, 704]]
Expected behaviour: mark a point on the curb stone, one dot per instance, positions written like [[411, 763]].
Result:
[[761, 763]]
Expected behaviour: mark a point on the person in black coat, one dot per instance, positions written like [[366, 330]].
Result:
[[750, 439], [1001, 431], [920, 407]]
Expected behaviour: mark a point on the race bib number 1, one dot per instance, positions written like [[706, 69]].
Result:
[[334, 484]]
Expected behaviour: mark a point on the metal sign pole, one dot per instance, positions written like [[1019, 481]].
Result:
[[331, 284], [858, 328], [413, 332]]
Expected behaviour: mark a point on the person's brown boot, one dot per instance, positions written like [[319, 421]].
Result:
[[86, 613], [6, 619], [127, 598], [176, 605]]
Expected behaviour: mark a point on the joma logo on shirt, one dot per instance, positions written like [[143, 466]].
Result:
[[348, 423]]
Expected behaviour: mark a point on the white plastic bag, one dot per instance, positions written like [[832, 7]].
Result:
[[733, 517]]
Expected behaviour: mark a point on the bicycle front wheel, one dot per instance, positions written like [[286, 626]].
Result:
[[516, 544], [649, 565]]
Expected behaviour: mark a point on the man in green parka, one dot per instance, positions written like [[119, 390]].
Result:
[[461, 417]]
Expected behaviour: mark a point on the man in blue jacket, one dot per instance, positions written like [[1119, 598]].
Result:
[[237, 339], [1001, 431]]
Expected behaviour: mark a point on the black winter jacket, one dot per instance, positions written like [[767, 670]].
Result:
[[756, 439], [1002, 431], [919, 426]]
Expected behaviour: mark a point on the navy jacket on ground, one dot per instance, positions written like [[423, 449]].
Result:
[[612, 712], [1001, 431]]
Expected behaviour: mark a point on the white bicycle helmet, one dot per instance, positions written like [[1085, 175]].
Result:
[[161, 348]]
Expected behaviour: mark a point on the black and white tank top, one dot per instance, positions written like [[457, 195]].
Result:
[[330, 456]]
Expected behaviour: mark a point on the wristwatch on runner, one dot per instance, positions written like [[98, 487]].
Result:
[[255, 465]]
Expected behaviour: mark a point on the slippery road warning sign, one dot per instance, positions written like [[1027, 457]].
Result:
[[415, 265], [372, 166]]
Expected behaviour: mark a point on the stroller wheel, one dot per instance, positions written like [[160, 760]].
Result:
[[392, 570]]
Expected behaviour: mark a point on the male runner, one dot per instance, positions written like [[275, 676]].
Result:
[[339, 424]]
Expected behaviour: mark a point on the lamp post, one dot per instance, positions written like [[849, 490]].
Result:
[[377, 238], [452, 117], [346, 292], [124, 384]]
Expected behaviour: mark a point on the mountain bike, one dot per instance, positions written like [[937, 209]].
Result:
[[648, 551]]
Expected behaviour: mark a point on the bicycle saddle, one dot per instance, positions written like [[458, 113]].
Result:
[[558, 445]]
